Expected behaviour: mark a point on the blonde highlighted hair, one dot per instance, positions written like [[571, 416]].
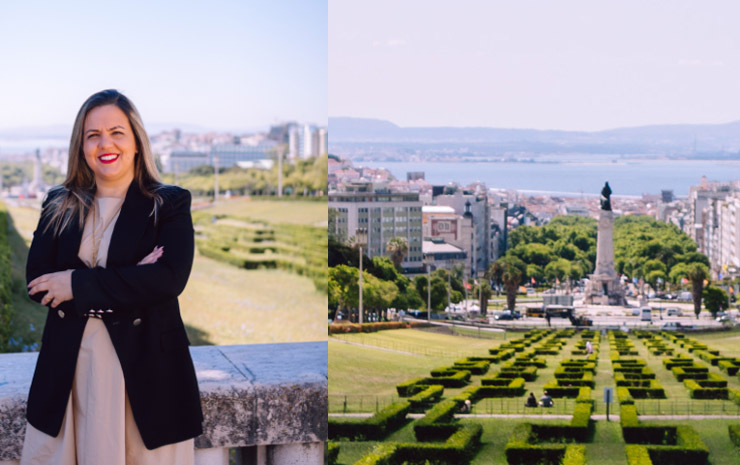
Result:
[[74, 197]]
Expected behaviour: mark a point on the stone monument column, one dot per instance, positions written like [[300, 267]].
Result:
[[604, 286]]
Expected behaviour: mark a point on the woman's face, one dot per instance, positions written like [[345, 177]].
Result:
[[109, 145]]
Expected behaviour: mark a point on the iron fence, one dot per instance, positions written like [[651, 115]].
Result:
[[515, 406]]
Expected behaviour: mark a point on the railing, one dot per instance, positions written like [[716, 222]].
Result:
[[267, 402], [354, 404]]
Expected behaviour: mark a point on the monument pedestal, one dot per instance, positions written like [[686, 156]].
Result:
[[604, 286]]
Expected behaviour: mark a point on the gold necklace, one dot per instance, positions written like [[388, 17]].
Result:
[[98, 238]]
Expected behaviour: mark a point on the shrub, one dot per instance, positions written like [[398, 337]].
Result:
[[459, 379], [637, 455], [519, 451], [383, 454], [374, 428], [438, 423], [730, 366], [332, 452], [409, 388], [734, 431], [419, 402], [476, 368], [574, 455], [698, 391]]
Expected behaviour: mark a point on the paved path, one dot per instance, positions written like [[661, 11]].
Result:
[[600, 417]]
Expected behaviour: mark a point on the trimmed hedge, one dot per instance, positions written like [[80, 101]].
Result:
[[438, 423], [519, 450], [730, 366], [734, 431], [343, 328], [698, 390], [664, 444], [458, 379], [695, 371], [532, 443], [528, 373], [459, 449], [332, 452], [672, 362], [409, 388], [497, 388], [474, 367], [637, 455], [421, 401], [374, 428]]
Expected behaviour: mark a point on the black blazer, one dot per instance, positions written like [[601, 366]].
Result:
[[145, 327]]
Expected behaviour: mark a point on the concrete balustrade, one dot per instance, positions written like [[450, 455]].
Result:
[[267, 401]]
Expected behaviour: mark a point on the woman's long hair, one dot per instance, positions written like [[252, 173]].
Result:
[[74, 197]]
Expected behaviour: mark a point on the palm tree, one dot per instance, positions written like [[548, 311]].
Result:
[[510, 271], [397, 248], [697, 274]]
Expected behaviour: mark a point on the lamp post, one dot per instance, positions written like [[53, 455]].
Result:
[[429, 293], [360, 315]]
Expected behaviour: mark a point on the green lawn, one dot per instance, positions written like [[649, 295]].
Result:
[[305, 212], [221, 303], [374, 371]]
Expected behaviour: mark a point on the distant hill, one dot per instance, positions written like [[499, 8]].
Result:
[[684, 138]]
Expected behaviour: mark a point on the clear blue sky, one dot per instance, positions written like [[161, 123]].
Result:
[[567, 64], [222, 64]]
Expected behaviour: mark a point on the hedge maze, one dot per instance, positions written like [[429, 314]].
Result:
[[444, 433]]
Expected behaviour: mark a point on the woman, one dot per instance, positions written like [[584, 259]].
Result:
[[114, 382]]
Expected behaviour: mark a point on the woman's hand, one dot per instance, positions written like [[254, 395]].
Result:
[[58, 287], [153, 256]]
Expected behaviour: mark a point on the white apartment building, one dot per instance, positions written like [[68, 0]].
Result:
[[373, 215]]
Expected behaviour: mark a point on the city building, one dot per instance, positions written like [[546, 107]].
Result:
[[441, 225], [471, 204], [370, 214]]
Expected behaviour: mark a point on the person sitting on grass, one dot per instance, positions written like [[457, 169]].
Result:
[[465, 407], [546, 400], [531, 400]]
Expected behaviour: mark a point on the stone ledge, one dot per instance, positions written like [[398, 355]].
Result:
[[262, 394]]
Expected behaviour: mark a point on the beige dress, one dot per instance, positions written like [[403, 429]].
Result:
[[98, 426]]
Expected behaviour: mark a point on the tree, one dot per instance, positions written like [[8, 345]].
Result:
[[558, 270], [398, 248], [344, 289], [715, 299], [377, 294], [485, 294], [697, 273], [534, 271], [510, 271]]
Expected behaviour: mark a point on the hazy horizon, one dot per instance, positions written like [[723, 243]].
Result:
[[574, 65]]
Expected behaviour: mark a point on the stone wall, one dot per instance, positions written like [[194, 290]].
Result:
[[268, 400]]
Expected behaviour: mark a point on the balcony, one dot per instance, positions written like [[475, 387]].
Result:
[[268, 402]]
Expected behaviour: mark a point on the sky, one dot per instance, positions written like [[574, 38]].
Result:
[[572, 65], [219, 64]]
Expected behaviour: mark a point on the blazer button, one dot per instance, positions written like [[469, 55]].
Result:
[[61, 314], [137, 322]]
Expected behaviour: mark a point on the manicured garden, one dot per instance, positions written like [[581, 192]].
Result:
[[658, 379]]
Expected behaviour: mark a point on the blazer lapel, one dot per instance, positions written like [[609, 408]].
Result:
[[130, 226], [69, 246]]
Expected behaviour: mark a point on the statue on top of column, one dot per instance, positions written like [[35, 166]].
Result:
[[606, 192]]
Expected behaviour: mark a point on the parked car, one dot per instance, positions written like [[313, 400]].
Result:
[[674, 312], [635, 312], [508, 315], [646, 314], [675, 326]]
